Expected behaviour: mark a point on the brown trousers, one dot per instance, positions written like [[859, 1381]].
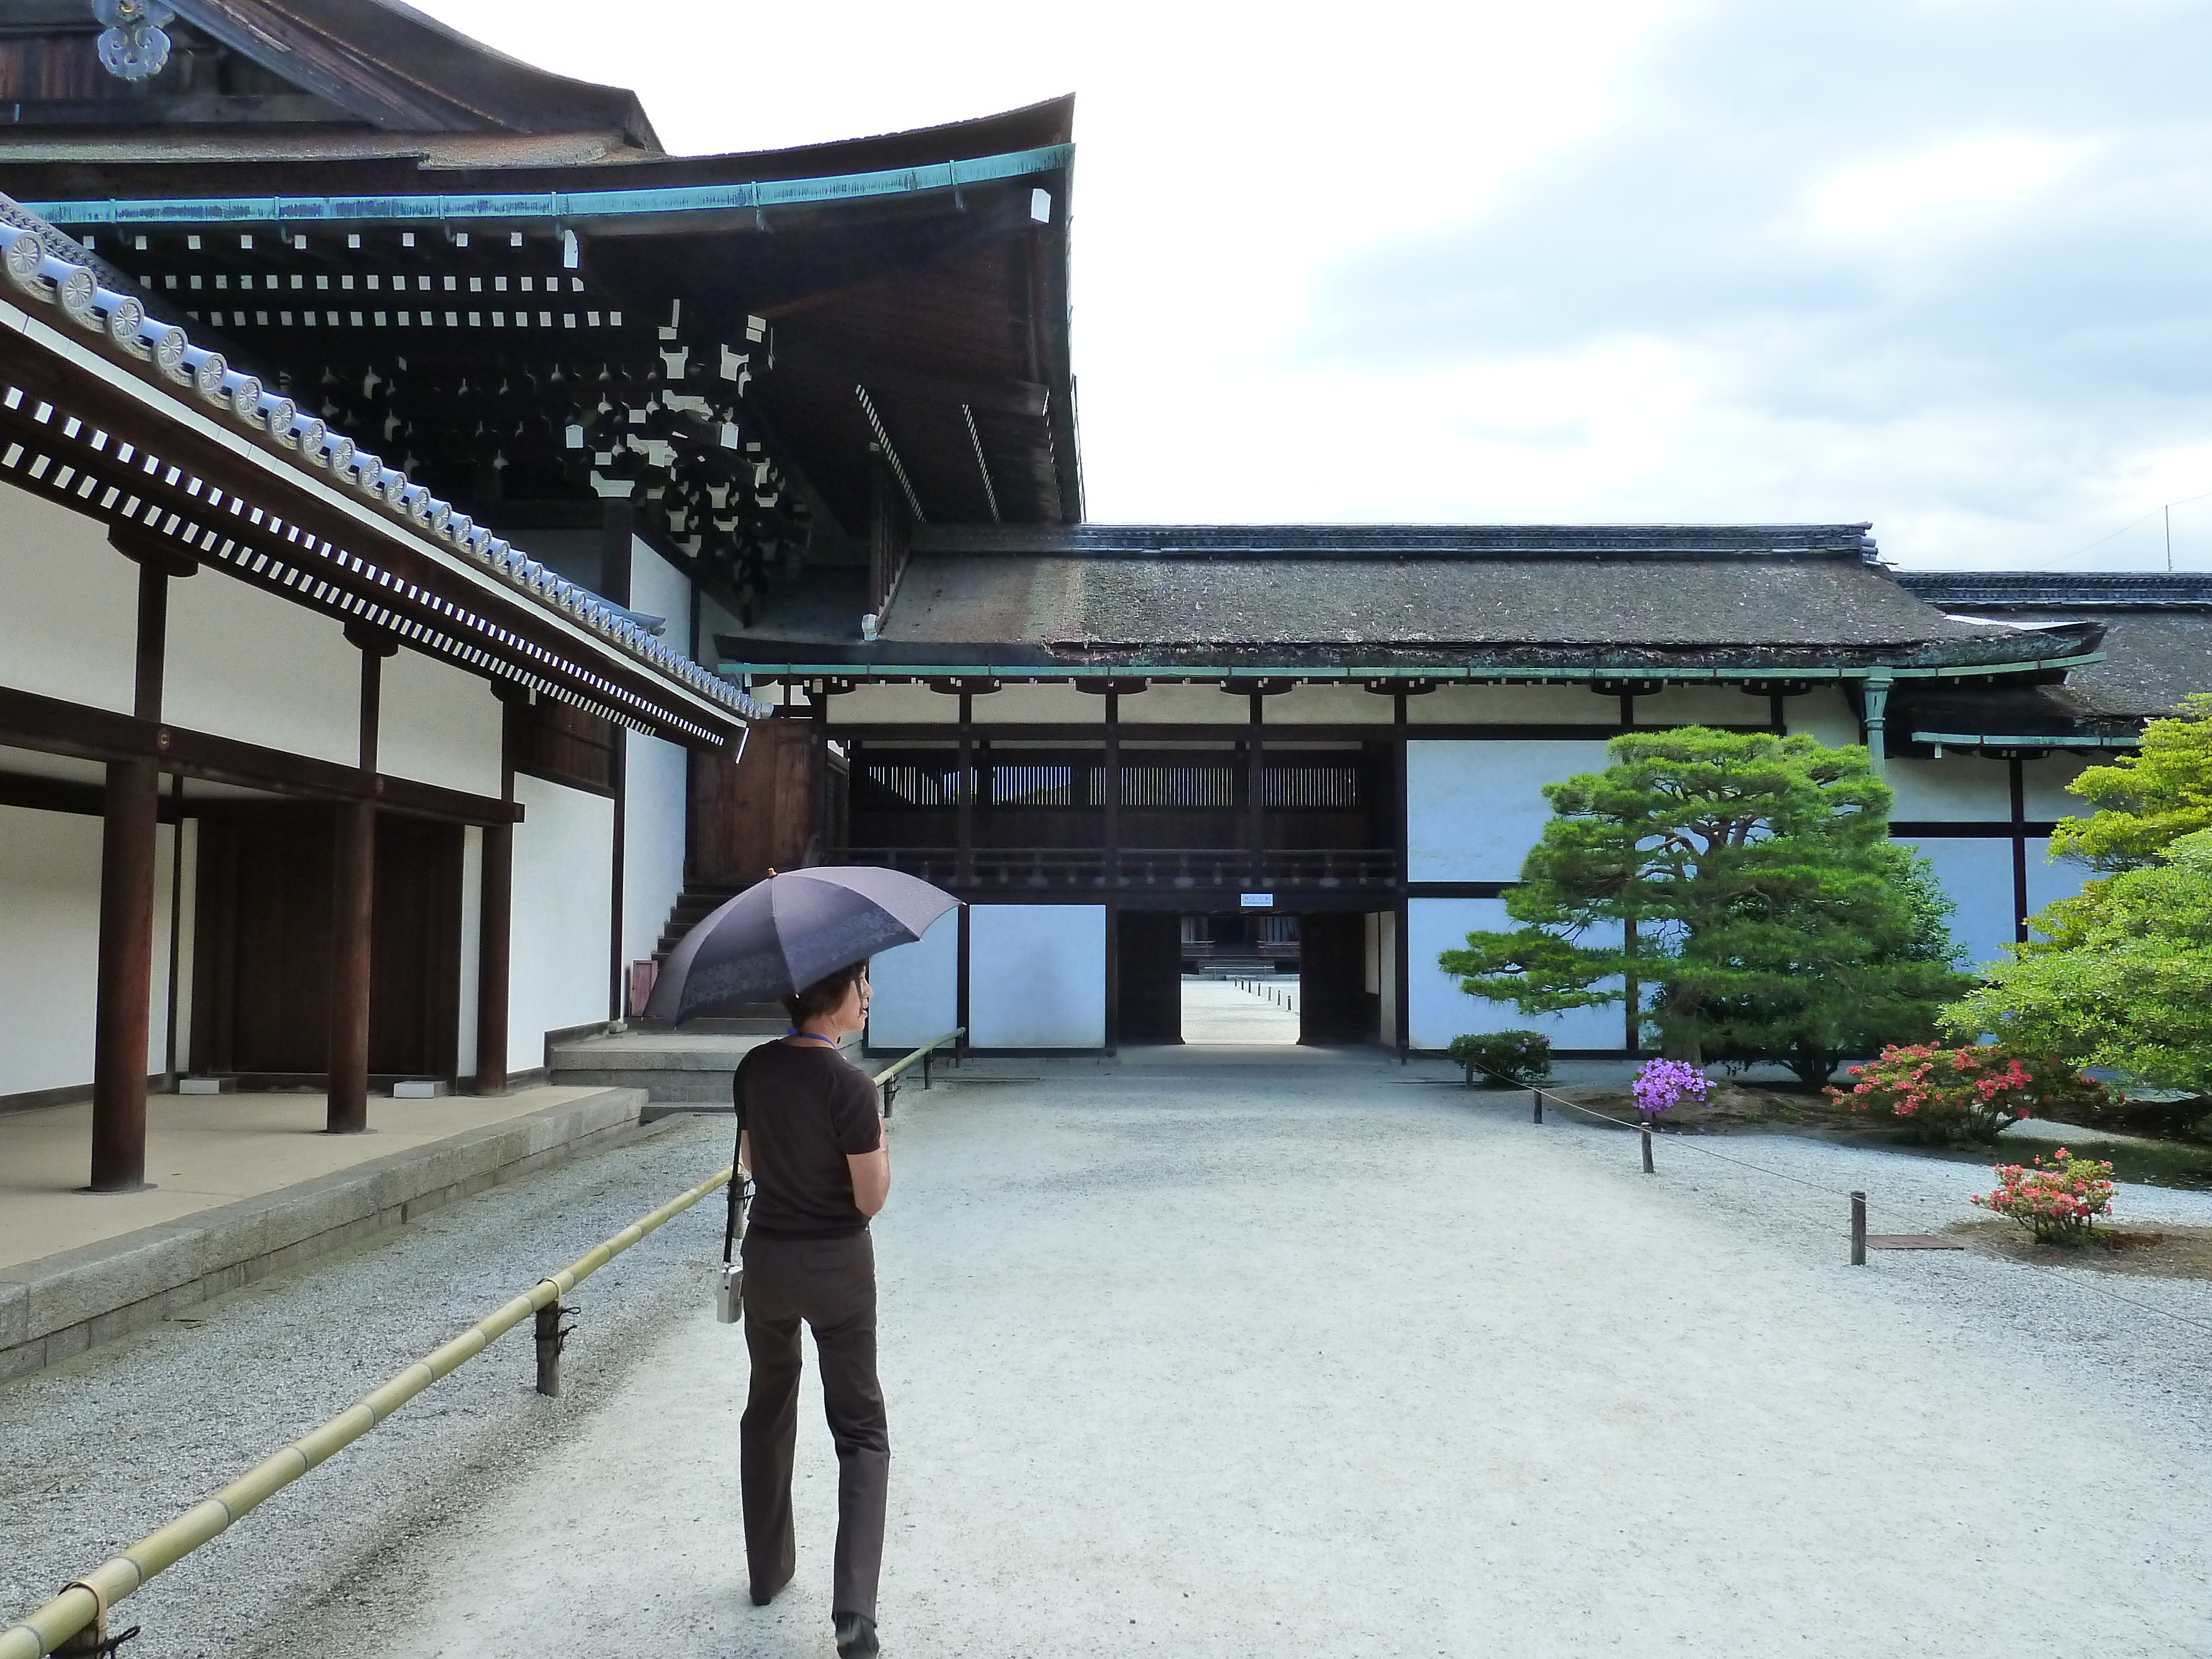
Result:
[[830, 1283]]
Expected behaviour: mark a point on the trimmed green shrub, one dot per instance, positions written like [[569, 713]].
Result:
[[1503, 1057]]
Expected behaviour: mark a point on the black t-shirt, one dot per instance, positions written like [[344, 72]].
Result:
[[807, 1108]]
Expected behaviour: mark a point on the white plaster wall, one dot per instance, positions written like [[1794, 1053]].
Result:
[[437, 725], [464, 1063], [1473, 809], [1328, 705], [902, 705], [1978, 876], [2043, 782], [1824, 713], [1174, 705], [712, 620], [1029, 705], [245, 664], [917, 990], [1702, 705], [49, 948], [2051, 879], [69, 606], [658, 588], [654, 798], [1037, 975], [1439, 1011], [1958, 788], [1513, 705], [563, 906]]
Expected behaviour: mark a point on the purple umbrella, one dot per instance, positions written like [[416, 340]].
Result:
[[789, 931]]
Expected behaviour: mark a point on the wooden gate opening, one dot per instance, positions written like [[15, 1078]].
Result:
[[261, 958]]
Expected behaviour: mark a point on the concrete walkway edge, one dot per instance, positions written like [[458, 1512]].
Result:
[[54, 1307]]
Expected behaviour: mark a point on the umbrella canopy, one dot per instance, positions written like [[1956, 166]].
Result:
[[789, 931]]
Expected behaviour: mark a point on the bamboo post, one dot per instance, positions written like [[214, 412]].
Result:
[[1858, 1229], [1536, 1105], [1647, 1149]]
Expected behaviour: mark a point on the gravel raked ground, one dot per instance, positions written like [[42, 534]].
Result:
[[1282, 1355], [98, 1452]]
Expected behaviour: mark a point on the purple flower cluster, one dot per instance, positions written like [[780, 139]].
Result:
[[1662, 1084]]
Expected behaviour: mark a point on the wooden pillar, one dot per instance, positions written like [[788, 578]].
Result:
[[124, 983], [353, 916], [494, 929], [1402, 966], [1111, 805], [1255, 799], [817, 698], [618, 544], [2017, 779], [618, 768], [963, 858], [1110, 863], [124, 995]]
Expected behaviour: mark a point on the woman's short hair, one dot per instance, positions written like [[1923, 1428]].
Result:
[[812, 1002]]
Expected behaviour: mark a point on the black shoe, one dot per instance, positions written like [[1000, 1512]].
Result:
[[856, 1636]]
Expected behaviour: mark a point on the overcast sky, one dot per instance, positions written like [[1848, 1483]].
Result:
[[1943, 264]]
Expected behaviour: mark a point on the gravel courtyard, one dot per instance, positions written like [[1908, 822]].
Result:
[[1209, 1351]]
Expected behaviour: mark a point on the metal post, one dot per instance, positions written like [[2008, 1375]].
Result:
[[1858, 1229], [1536, 1105], [551, 1338], [1647, 1150]]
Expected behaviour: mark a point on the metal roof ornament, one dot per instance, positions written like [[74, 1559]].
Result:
[[134, 46]]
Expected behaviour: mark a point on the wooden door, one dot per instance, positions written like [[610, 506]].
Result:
[[261, 963], [758, 815], [415, 963], [1151, 974], [1333, 1003]]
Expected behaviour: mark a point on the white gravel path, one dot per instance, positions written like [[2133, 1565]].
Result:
[[1307, 1356]]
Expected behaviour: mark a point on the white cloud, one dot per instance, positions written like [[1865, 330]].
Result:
[[1941, 192], [1941, 263]]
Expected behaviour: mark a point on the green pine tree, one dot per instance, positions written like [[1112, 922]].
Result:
[[1751, 883]]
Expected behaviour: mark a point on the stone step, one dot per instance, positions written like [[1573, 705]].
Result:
[[685, 1070]]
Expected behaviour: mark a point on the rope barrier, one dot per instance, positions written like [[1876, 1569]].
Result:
[[1675, 1137]]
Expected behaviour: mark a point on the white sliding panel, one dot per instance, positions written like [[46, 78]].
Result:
[[1037, 975]]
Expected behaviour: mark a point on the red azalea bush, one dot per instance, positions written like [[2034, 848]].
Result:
[[1951, 1095], [2056, 1199]]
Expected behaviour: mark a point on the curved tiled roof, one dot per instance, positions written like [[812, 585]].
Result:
[[41, 264]]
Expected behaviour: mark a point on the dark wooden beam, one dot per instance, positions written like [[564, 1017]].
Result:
[[54, 727]]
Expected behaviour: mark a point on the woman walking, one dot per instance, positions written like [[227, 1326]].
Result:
[[812, 1135]]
